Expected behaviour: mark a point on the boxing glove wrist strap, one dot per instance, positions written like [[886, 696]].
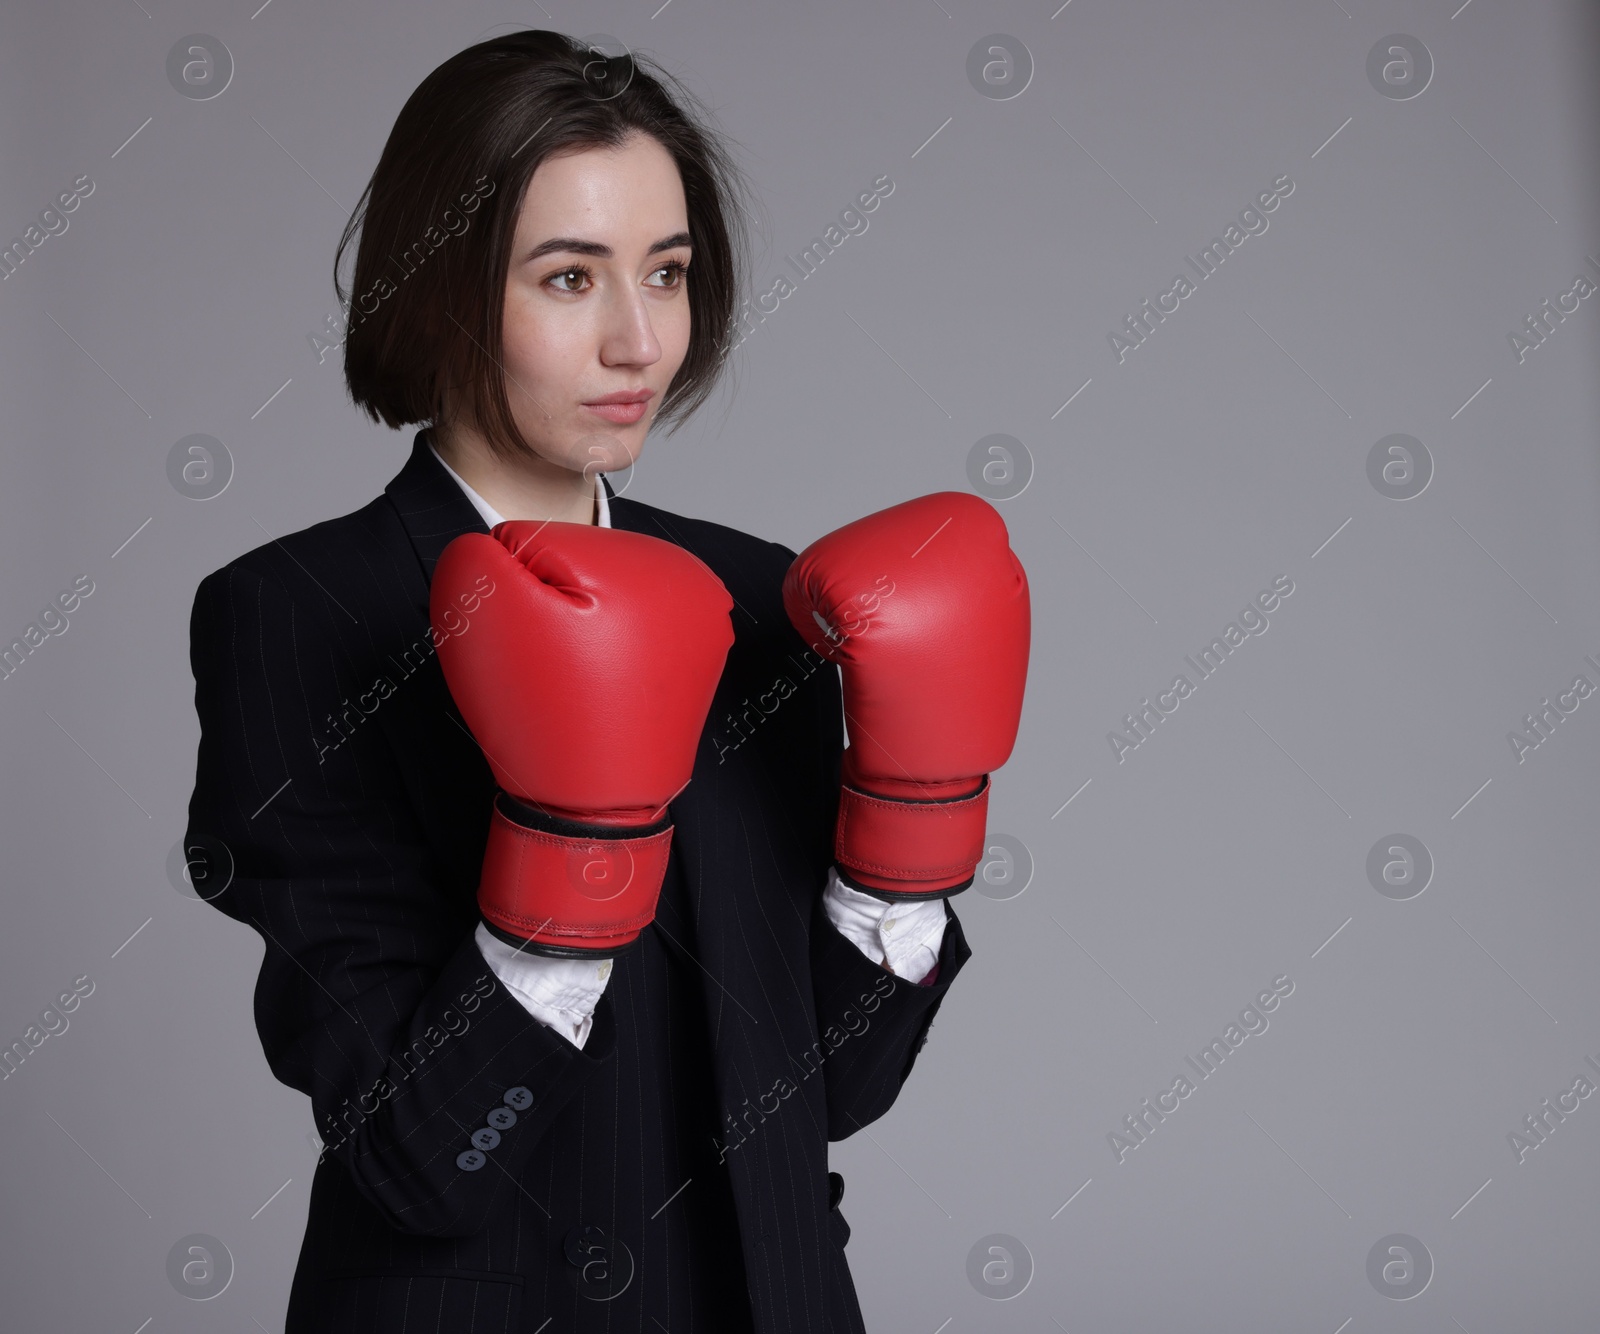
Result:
[[899, 849], [571, 890]]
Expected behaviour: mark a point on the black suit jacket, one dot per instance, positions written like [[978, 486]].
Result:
[[481, 1172]]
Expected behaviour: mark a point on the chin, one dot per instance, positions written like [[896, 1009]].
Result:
[[612, 459]]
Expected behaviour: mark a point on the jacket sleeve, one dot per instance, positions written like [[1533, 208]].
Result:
[[871, 1023], [429, 1083]]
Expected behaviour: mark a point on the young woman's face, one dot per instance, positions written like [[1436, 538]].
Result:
[[597, 302]]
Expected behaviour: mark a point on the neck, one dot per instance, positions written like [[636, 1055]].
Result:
[[524, 487]]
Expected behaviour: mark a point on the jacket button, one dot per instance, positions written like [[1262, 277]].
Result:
[[470, 1160], [519, 1098], [485, 1137], [835, 1189], [502, 1118]]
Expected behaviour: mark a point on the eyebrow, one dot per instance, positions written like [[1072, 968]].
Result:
[[578, 246]]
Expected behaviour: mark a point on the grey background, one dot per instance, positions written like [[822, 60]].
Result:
[[1224, 852]]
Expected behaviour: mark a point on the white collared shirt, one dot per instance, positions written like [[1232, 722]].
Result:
[[562, 993]]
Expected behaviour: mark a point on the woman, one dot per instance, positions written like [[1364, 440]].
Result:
[[529, 1120]]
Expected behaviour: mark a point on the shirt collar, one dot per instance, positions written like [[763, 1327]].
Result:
[[491, 516]]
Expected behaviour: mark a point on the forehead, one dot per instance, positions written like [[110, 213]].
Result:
[[618, 195]]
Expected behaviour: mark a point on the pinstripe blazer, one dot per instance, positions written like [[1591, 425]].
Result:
[[480, 1172]]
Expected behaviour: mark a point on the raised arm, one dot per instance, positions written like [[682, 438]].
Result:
[[429, 1083]]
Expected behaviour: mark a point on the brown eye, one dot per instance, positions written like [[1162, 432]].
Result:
[[679, 271], [576, 271]]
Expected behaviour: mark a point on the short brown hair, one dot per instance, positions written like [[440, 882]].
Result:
[[423, 318]]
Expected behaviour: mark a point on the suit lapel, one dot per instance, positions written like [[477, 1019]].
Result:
[[432, 508]]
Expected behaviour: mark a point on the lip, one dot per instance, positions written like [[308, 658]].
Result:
[[623, 407], [621, 396]]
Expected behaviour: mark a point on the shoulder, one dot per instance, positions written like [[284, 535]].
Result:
[[341, 568]]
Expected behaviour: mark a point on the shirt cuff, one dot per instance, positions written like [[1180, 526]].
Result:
[[904, 936], [559, 993]]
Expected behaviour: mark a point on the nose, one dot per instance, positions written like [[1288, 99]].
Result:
[[629, 338]]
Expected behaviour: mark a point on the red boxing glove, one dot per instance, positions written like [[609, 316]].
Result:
[[585, 668], [925, 609]]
